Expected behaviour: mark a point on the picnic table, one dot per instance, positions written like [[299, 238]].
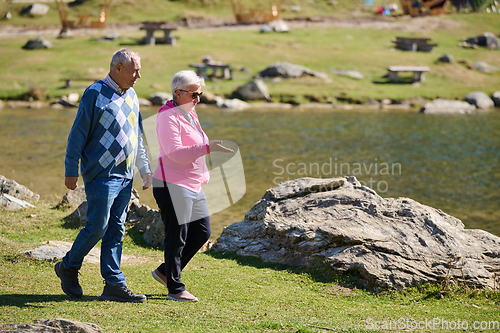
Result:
[[417, 71], [413, 44], [151, 27], [209, 71]]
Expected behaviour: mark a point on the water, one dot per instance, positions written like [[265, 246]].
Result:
[[450, 162]]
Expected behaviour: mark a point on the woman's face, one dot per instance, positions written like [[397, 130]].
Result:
[[184, 97]]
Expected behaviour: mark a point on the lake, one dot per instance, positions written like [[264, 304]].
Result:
[[450, 162]]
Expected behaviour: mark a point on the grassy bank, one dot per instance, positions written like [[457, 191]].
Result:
[[236, 294], [369, 51]]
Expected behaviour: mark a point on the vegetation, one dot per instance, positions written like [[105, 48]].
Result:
[[84, 58], [237, 294]]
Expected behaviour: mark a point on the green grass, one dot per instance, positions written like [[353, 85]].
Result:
[[369, 51], [237, 294], [136, 11]]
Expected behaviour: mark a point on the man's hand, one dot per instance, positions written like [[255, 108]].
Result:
[[70, 182], [147, 178]]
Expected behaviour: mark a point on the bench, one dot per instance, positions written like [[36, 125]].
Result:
[[151, 27], [413, 44], [209, 71], [418, 72]]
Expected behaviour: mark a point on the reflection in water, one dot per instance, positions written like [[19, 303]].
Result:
[[449, 162]]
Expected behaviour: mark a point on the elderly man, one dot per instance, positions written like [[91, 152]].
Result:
[[106, 138]]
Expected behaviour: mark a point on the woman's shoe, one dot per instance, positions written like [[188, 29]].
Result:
[[159, 277], [183, 296]]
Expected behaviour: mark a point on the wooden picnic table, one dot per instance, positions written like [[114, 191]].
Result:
[[151, 27], [413, 44], [417, 71], [209, 71]]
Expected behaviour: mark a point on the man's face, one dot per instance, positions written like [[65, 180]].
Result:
[[128, 73]]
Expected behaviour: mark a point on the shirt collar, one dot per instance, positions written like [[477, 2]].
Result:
[[109, 81], [184, 113]]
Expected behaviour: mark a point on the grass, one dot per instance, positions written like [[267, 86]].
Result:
[[237, 294], [369, 51]]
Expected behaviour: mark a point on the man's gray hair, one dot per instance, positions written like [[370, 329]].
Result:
[[123, 56], [185, 78]]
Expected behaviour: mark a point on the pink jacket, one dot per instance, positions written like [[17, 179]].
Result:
[[181, 160]]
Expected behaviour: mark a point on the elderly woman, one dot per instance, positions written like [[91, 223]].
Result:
[[178, 179]]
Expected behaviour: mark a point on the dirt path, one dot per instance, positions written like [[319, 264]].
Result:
[[404, 24]]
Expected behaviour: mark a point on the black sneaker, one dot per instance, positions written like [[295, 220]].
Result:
[[69, 280], [120, 294]]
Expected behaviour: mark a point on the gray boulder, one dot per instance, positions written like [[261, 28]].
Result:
[[288, 70], [12, 203], [74, 197], [46, 252], [440, 106], [487, 39], [391, 243], [160, 98], [234, 104], [254, 90], [484, 67], [12, 188], [480, 100], [36, 9], [352, 74], [37, 43], [80, 212], [57, 325], [447, 58], [496, 98], [279, 26]]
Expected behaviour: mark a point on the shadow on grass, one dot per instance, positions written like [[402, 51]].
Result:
[[319, 270], [28, 301]]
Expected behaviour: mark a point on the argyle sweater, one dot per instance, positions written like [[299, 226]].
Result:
[[107, 135]]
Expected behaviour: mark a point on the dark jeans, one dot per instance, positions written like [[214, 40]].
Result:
[[182, 241]]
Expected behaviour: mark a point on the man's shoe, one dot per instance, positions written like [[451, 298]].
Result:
[[159, 277], [120, 294], [69, 280], [183, 296]]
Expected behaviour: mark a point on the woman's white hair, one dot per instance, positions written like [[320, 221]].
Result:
[[183, 79], [123, 56]]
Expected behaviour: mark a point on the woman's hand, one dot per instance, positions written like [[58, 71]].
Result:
[[216, 146]]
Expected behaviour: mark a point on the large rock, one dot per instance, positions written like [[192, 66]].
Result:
[[288, 70], [496, 98], [36, 9], [391, 243], [440, 105], [484, 67], [487, 39], [234, 104], [46, 252], [254, 90], [12, 203], [352, 74], [11, 187], [160, 98], [480, 100], [74, 197], [37, 43], [57, 325]]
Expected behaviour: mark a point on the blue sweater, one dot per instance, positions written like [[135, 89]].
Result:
[[107, 135]]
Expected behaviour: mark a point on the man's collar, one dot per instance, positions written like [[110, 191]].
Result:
[[109, 81]]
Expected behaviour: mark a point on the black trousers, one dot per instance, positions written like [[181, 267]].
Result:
[[182, 241]]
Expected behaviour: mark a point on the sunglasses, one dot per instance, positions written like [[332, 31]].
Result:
[[194, 94]]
